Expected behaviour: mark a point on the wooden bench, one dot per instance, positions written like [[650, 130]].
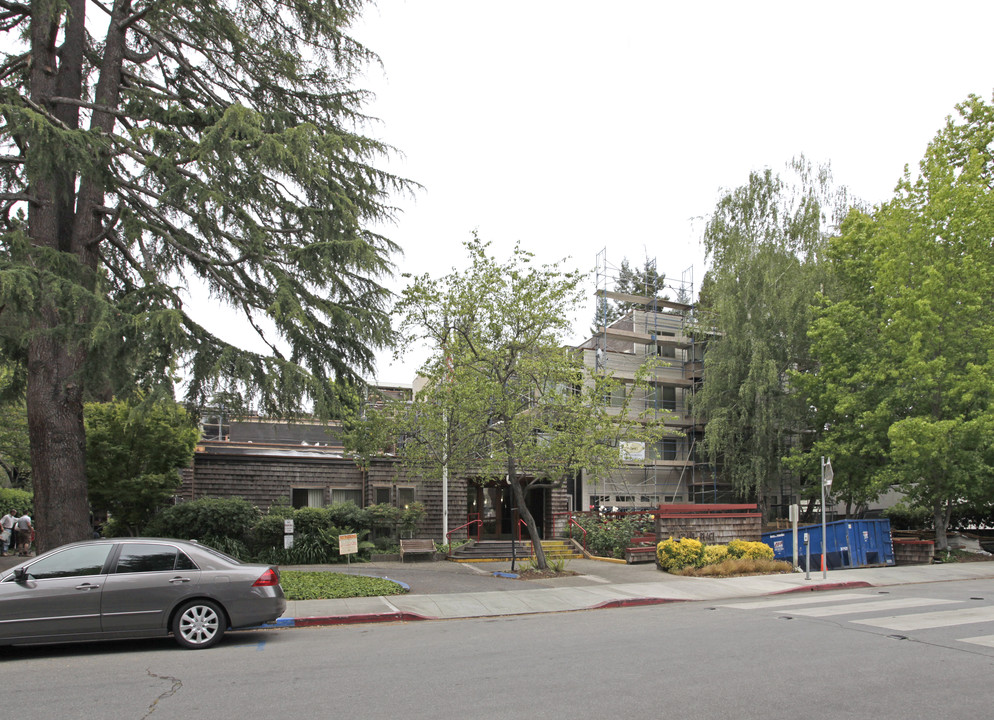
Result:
[[641, 549], [417, 547]]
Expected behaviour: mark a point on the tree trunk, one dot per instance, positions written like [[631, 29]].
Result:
[[519, 500], [940, 520], [58, 444]]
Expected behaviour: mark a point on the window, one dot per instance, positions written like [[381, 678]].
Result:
[[381, 496], [147, 557], [666, 351], [668, 448], [339, 495], [84, 560], [666, 397], [307, 497], [617, 396], [405, 496]]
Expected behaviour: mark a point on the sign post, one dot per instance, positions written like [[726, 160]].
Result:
[[827, 475], [288, 533]]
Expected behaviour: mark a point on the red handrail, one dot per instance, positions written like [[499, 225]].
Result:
[[518, 528], [572, 521], [448, 535]]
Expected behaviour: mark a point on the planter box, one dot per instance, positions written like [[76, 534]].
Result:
[[914, 552]]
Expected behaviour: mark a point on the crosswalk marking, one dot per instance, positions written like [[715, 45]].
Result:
[[873, 605], [986, 640], [940, 618], [812, 599]]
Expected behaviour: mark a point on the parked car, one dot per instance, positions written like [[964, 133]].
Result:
[[135, 587]]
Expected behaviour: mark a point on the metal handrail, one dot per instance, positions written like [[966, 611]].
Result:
[[518, 528], [572, 521], [448, 535]]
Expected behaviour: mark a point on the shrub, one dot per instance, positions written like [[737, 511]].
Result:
[[20, 501], [714, 554], [751, 550], [205, 517], [677, 554], [606, 537]]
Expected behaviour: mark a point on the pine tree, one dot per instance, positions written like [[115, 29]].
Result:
[[213, 143]]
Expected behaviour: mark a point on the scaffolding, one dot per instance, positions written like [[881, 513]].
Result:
[[640, 314]]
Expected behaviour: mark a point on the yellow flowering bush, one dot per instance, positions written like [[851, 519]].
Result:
[[714, 554], [677, 554], [753, 550]]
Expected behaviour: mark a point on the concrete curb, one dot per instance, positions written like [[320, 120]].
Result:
[[826, 586]]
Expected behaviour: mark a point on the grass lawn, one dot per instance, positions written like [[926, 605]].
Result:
[[302, 585]]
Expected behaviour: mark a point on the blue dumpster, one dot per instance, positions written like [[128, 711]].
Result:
[[850, 543]]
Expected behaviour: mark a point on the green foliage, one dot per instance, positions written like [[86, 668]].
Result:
[[642, 280], [672, 555], [608, 536], [20, 501], [211, 144], [300, 585], [412, 516], [207, 518], [904, 388], [134, 452], [764, 241], [15, 450], [503, 398]]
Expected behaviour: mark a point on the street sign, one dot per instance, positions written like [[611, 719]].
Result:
[[348, 544], [829, 474], [288, 526]]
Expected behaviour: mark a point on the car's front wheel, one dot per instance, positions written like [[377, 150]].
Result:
[[199, 624]]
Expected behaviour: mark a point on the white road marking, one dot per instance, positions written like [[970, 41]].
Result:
[[940, 618], [812, 599], [873, 606]]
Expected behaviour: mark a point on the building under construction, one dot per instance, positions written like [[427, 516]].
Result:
[[640, 315]]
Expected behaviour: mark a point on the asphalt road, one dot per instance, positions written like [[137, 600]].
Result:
[[810, 656]]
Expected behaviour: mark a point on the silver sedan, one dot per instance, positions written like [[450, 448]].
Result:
[[135, 587]]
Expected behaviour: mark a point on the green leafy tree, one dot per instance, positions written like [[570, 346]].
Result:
[[524, 406], [764, 241], [15, 446], [213, 143], [905, 381], [134, 454]]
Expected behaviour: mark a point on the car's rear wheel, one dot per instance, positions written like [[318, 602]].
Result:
[[199, 624]]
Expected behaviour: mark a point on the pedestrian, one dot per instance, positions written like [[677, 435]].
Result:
[[24, 532], [7, 530]]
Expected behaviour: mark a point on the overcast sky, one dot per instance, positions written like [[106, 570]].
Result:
[[575, 126]]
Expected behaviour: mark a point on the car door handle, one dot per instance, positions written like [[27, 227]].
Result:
[[180, 580], [87, 586]]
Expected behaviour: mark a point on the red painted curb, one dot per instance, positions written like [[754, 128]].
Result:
[[825, 586], [357, 619]]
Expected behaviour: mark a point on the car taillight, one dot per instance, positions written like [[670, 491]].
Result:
[[268, 579]]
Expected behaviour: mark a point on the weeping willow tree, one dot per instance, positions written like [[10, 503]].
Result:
[[764, 241], [146, 145]]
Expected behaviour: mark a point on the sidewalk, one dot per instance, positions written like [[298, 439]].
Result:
[[594, 591], [445, 590]]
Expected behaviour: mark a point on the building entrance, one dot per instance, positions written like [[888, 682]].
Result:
[[493, 504]]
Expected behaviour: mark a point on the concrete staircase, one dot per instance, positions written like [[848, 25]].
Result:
[[501, 550]]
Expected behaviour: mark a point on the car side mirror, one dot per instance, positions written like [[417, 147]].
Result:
[[21, 575]]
